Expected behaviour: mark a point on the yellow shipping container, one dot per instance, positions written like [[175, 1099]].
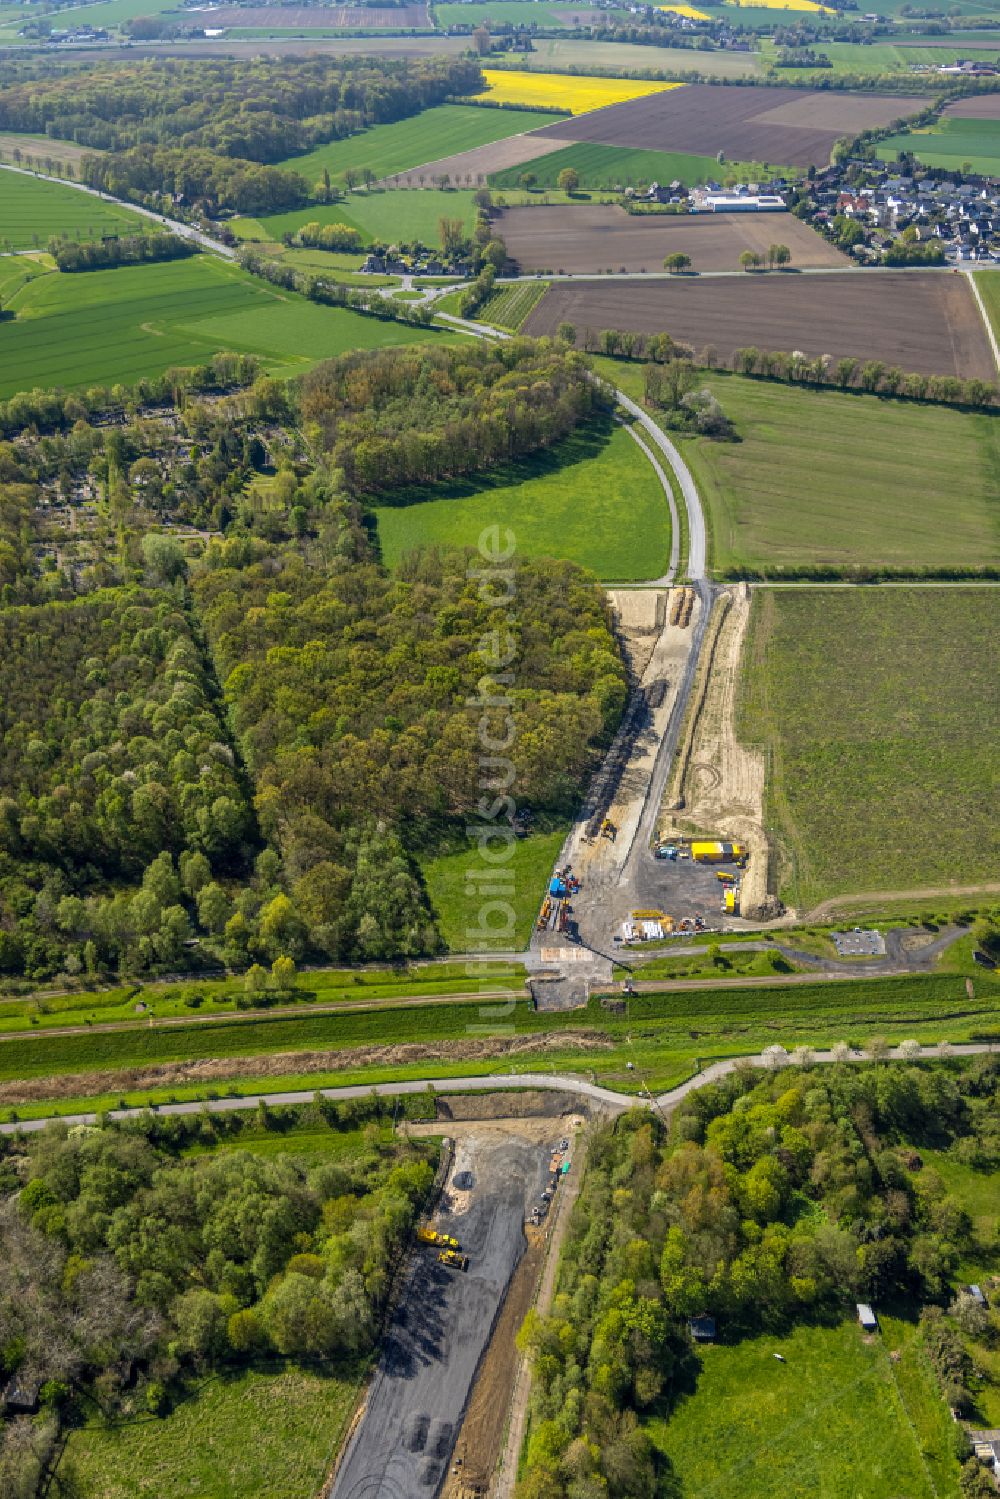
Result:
[[717, 853]]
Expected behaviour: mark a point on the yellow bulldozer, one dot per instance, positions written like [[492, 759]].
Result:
[[453, 1259], [442, 1241]]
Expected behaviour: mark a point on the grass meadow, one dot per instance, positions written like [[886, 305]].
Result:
[[32, 209], [427, 137], [393, 216], [99, 327], [877, 711], [456, 901], [593, 499], [857, 492], [831, 1422], [269, 1434]]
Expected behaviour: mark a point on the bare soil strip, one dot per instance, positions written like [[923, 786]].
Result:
[[784, 126], [722, 781], [925, 321], [478, 163], [602, 236], [292, 1064]]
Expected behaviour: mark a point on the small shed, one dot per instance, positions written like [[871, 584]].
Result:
[[702, 1328], [975, 1294], [20, 1397], [867, 1317]]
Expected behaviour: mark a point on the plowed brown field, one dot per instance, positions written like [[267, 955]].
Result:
[[925, 321], [783, 126], [978, 107], [600, 237]]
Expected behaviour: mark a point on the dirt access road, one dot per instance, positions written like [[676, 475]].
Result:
[[444, 1319]]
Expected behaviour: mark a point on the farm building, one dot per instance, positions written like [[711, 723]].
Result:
[[867, 1318], [738, 202], [718, 853]]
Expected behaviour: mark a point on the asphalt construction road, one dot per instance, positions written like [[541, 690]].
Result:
[[441, 1327]]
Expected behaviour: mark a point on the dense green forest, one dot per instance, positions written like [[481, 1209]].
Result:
[[775, 1199], [227, 750], [131, 1268], [183, 134], [415, 417]]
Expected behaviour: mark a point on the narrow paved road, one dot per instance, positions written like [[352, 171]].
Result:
[[183, 231], [578, 1086]]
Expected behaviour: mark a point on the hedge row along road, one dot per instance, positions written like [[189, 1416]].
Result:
[[663, 1104]]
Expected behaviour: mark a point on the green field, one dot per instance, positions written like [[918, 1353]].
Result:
[[509, 306], [119, 325], [593, 499], [32, 209], [877, 713], [427, 137], [955, 144], [112, 13], [391, 217], [620, 166], [269, 1434], [830, 1422], [455, 900], [875, 508]]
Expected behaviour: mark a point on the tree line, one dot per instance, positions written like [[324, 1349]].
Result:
[[773, 1200], [124, 249]]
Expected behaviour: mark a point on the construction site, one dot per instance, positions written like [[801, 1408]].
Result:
[[435, 1414]]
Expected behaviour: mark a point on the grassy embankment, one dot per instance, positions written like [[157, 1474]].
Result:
[[665, 1036], [100, 327], [137, 1004], [876, 710], [876, 510], [568, 501]]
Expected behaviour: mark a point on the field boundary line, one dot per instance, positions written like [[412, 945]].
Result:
[[987, 324]]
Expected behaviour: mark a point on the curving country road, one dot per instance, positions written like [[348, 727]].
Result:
[[578, 1086]]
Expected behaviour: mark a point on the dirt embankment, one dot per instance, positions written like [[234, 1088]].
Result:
[[720, 782], [213, 1070]]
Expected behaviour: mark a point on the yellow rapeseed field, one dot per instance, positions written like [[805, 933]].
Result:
[[685, 10], [781, 5], [560, 91]]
